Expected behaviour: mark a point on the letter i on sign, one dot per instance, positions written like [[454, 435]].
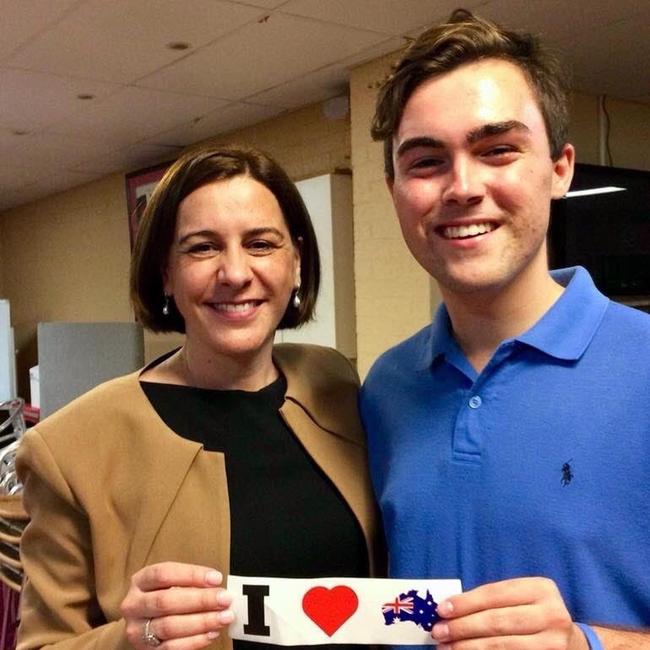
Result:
[[255, 595]]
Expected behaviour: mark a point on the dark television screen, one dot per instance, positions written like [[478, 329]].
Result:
[[608, 234]]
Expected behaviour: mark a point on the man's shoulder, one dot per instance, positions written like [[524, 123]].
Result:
[[621, 314], [625, 326], [624, 334]]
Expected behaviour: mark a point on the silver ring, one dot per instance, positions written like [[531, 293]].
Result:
[[148, 637]]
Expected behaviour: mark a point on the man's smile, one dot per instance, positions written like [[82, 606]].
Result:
[[466, 231]]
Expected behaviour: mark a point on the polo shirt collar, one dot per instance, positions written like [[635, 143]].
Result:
[[438, 341], [564, 332]]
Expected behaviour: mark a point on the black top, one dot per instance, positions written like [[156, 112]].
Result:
[[287, 519]]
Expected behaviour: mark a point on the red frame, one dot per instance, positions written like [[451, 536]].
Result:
[[139, 186]]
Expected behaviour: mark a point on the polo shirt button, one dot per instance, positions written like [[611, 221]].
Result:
[[475, 401]]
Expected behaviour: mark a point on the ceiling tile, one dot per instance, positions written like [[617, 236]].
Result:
[[228, 118], [61, 180], [312, 87], [375, 51], [127, 159], [260, 56], [37, 169], [264, 55], [133, 114], [266, 4], [388, 16], [9, 144], [12, 198], [595, 69], [14, 176], [44, 152], [158, 22], [240, 114], [22, 20], [556, 20], [31, 100], [123, 40], [45, 185], [119, 60], [325, 83]]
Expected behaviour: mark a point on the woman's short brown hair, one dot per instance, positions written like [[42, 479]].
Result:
[[465, 38], [191, 171]]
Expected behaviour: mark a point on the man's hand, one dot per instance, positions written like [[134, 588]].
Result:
[[522, 614]]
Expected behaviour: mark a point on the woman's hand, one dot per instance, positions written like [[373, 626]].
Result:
[[175, 606]]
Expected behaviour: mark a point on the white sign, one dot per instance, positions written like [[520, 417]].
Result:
[[284, 611]]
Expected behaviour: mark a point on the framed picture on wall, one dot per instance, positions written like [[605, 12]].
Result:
[[139, 187]]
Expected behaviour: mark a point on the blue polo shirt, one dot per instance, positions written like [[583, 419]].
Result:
[[538, 465]]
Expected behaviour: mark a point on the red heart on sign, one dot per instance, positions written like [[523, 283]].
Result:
[[330, 608]]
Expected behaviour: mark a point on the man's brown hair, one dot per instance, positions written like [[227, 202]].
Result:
[[466, 38]]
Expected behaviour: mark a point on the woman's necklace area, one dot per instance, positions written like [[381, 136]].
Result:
[[223, 377]]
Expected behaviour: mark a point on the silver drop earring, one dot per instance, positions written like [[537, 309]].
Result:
[[296, 299], [165, 307]]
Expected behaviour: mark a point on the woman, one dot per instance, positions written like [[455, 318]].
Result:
[[225, 455]]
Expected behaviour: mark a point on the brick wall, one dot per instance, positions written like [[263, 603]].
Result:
[[393, 293]]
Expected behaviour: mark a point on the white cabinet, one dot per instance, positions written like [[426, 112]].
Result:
[[329, 201], [7, 354]]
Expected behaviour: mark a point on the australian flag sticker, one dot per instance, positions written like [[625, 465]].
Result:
[[410, 607]]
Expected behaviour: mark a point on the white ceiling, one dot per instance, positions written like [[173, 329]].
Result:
[[248, 61]]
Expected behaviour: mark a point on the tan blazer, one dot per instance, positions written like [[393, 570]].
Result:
[[110, 488]]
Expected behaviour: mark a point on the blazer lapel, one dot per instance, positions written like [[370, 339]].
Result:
[[165, 464]]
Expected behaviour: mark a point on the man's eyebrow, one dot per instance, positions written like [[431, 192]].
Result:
[[495, 128], [475, 135], [421, 141]]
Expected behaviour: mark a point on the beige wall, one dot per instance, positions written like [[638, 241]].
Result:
[[629, 132], [393, 292], [66, 257], [304, 142], [2, 263], [583, 131], [69, 255]]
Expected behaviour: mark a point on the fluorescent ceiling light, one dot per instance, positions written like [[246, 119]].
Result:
[[594, 190]]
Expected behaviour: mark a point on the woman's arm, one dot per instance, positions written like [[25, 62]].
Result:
[[59, 607], [64, 607]]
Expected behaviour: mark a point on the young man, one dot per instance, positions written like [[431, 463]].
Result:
[[509, 440]]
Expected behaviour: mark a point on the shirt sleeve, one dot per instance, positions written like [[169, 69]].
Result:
[[59, 607]]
